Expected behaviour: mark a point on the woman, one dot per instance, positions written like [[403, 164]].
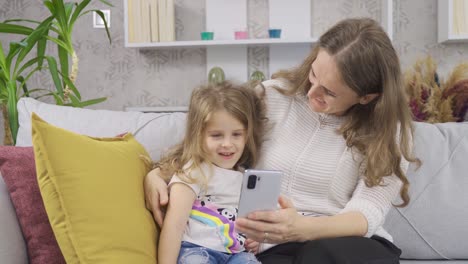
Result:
[[341, 133]]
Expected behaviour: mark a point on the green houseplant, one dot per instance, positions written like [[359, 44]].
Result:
[[17, 66]]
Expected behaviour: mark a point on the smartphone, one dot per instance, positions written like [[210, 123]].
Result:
[[260, 191]]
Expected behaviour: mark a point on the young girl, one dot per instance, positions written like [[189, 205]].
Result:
[[224, 127]]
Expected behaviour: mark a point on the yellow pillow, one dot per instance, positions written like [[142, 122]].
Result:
[[93, 194]]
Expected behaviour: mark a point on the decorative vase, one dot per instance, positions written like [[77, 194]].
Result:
[[257, 76], [216, 75]]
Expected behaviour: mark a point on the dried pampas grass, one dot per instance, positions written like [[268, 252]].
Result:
[[433, 100]]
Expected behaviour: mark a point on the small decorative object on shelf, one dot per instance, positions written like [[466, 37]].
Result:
[[436, 101], [257, 76], [216, 75], [241, 34], [207, 35], [274, 33]]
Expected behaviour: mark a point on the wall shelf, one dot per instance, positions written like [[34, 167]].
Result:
[[204, 43], [223, 17], [158, 109]]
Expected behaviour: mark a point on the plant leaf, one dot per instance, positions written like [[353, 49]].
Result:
[[77, 12], [41, 47], [20, 79], [68, 10], [50, 6], [27, 64], [107, 3], [27, 94], [60, 15], [91, 102], [15, 29], [3, 92], [33, 91], [63, 59], [3, 76], [14, 50], [55, 75], [2, 59], [44, 95], [60, 43], [101, 14], [12, 110], [21, 20], [58, 99], [29, 76], [31, 40], [71, 85], [74, 101]]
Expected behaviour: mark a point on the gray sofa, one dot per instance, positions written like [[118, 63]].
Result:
[[432, 229]]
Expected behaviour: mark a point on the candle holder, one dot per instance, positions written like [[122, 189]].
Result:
[[207, 35], [241, 34], [274, 33]]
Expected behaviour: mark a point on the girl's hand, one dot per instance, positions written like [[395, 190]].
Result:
[[156, 196], [251, 245], [279, 226]]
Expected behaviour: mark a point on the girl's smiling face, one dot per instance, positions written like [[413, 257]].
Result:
[[225, 138]]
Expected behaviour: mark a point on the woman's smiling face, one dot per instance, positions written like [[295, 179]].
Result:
[[328, 93]]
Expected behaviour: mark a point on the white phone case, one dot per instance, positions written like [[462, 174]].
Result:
[[264, 195]]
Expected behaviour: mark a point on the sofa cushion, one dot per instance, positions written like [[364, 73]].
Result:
[[92, 190], [433, 225], [19, 171], [433, 261], [155, 131], [12, 246]]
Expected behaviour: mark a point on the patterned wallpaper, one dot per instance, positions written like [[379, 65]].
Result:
[[165, 77]]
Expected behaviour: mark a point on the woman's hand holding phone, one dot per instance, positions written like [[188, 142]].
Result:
[[274, 227], [260, 218]]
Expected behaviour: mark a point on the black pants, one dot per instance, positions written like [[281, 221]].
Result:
[[345, 250]]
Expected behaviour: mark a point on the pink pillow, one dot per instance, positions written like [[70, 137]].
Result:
[[19, 173]]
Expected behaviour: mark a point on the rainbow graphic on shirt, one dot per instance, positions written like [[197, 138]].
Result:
[[209, 215]]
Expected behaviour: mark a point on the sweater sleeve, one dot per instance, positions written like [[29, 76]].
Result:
[[375, 202], [277, 104]]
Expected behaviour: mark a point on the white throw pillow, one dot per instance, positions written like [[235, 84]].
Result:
[[155, 131]]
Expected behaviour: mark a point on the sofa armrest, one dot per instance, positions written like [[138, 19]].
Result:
[[12, 245], [433, 225]]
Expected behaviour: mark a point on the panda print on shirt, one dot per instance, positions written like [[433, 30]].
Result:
[[206, 211]]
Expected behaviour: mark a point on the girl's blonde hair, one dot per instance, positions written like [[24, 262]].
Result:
[[368, 64], [241, 102]]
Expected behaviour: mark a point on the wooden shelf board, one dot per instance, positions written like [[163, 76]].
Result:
[[203, 43]]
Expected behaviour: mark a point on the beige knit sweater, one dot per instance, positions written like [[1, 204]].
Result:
[[321, 175]]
